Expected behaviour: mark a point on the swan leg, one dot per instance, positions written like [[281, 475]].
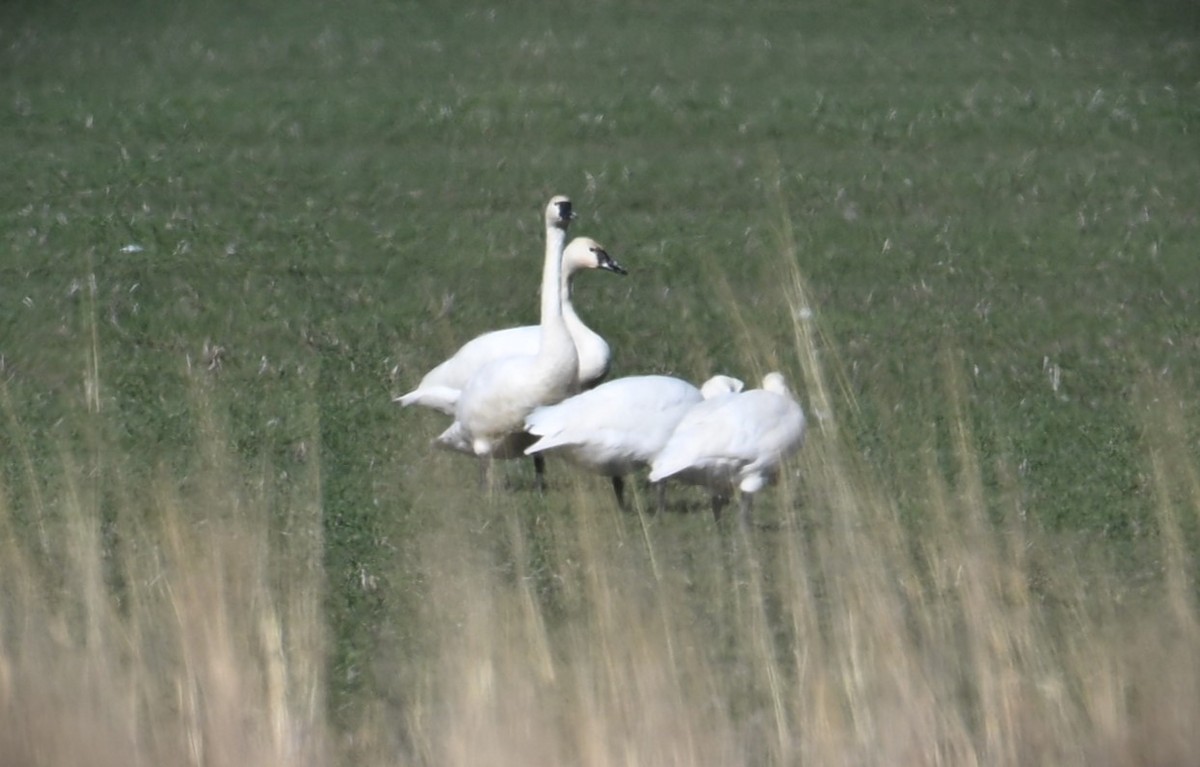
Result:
[[618, 485], [660, 496], [745, 501], [485, 474], [539, 473], [718, 504]]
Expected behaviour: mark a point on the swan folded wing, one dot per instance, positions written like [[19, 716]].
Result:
[[731, 434], [625, 403], [617, 427], [699, 432], [479, 351], [779, 432], [759, 425]]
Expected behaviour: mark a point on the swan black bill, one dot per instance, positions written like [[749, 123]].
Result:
[[609, 263]]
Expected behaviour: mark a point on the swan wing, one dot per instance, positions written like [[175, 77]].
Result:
[[760, 424], [454, 372], [616, 416], [753, 429]]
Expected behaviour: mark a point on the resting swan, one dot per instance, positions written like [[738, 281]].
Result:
[[621, 425], [734, 441], [440, 387]]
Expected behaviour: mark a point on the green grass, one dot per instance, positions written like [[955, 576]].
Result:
[[336, 198]]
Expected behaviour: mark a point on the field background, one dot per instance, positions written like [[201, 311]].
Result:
[[233, 231]]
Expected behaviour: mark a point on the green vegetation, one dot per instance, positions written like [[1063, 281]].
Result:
[[230, 232]]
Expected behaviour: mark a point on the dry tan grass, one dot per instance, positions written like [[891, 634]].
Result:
[[179, 631], [840, 635], [182, 623]]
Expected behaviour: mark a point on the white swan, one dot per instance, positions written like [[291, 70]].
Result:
[[440, 387], [620, 425], [493, 404], [456, 438], [734, 441]]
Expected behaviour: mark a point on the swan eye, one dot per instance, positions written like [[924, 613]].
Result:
[[565, 212]]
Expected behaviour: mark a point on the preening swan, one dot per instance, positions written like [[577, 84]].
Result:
[[620, 425], [734, 441], [493, 404], [440, 387]]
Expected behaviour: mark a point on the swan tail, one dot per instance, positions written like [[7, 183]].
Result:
[[454, 439], [547, 421], [661, 470], [442, 398], [545, 443]]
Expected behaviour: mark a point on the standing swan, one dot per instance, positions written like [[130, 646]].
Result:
[[440, 387], [737, 441], [496, 399], [621, 425]]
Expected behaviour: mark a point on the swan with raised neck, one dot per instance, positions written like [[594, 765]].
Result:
[[440, 387], [496, 399]]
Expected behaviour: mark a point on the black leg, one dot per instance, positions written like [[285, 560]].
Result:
[[618, 485], [539, 473], [660, 496], [718, 503]]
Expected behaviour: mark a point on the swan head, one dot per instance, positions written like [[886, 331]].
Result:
[[775, 382], [558, 212], [718, 385], [586, 253]]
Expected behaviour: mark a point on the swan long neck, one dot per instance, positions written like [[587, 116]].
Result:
[[552, 275], [568, 309], [556, 338]]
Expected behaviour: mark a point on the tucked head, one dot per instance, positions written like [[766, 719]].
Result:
[[775, 382], [718, 385], [586, 253], [558, 212]]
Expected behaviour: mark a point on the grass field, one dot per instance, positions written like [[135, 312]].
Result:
[[233, 231]]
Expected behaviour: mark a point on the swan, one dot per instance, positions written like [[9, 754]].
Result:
[[734, 441], [512, 445], [440, 387], [492, 406], [620, 425]]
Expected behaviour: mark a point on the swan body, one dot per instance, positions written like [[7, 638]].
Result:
[[734, 441], [441, 387], [497, 398], [620, 425]]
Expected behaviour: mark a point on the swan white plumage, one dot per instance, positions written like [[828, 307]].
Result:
[[440, 387], [493, 404], [734, 441], [620, 425], [512, 445]]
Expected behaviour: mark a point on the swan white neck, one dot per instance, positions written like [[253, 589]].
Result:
[[557, 348], [568, 310], [553, 278], [592, 350]]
